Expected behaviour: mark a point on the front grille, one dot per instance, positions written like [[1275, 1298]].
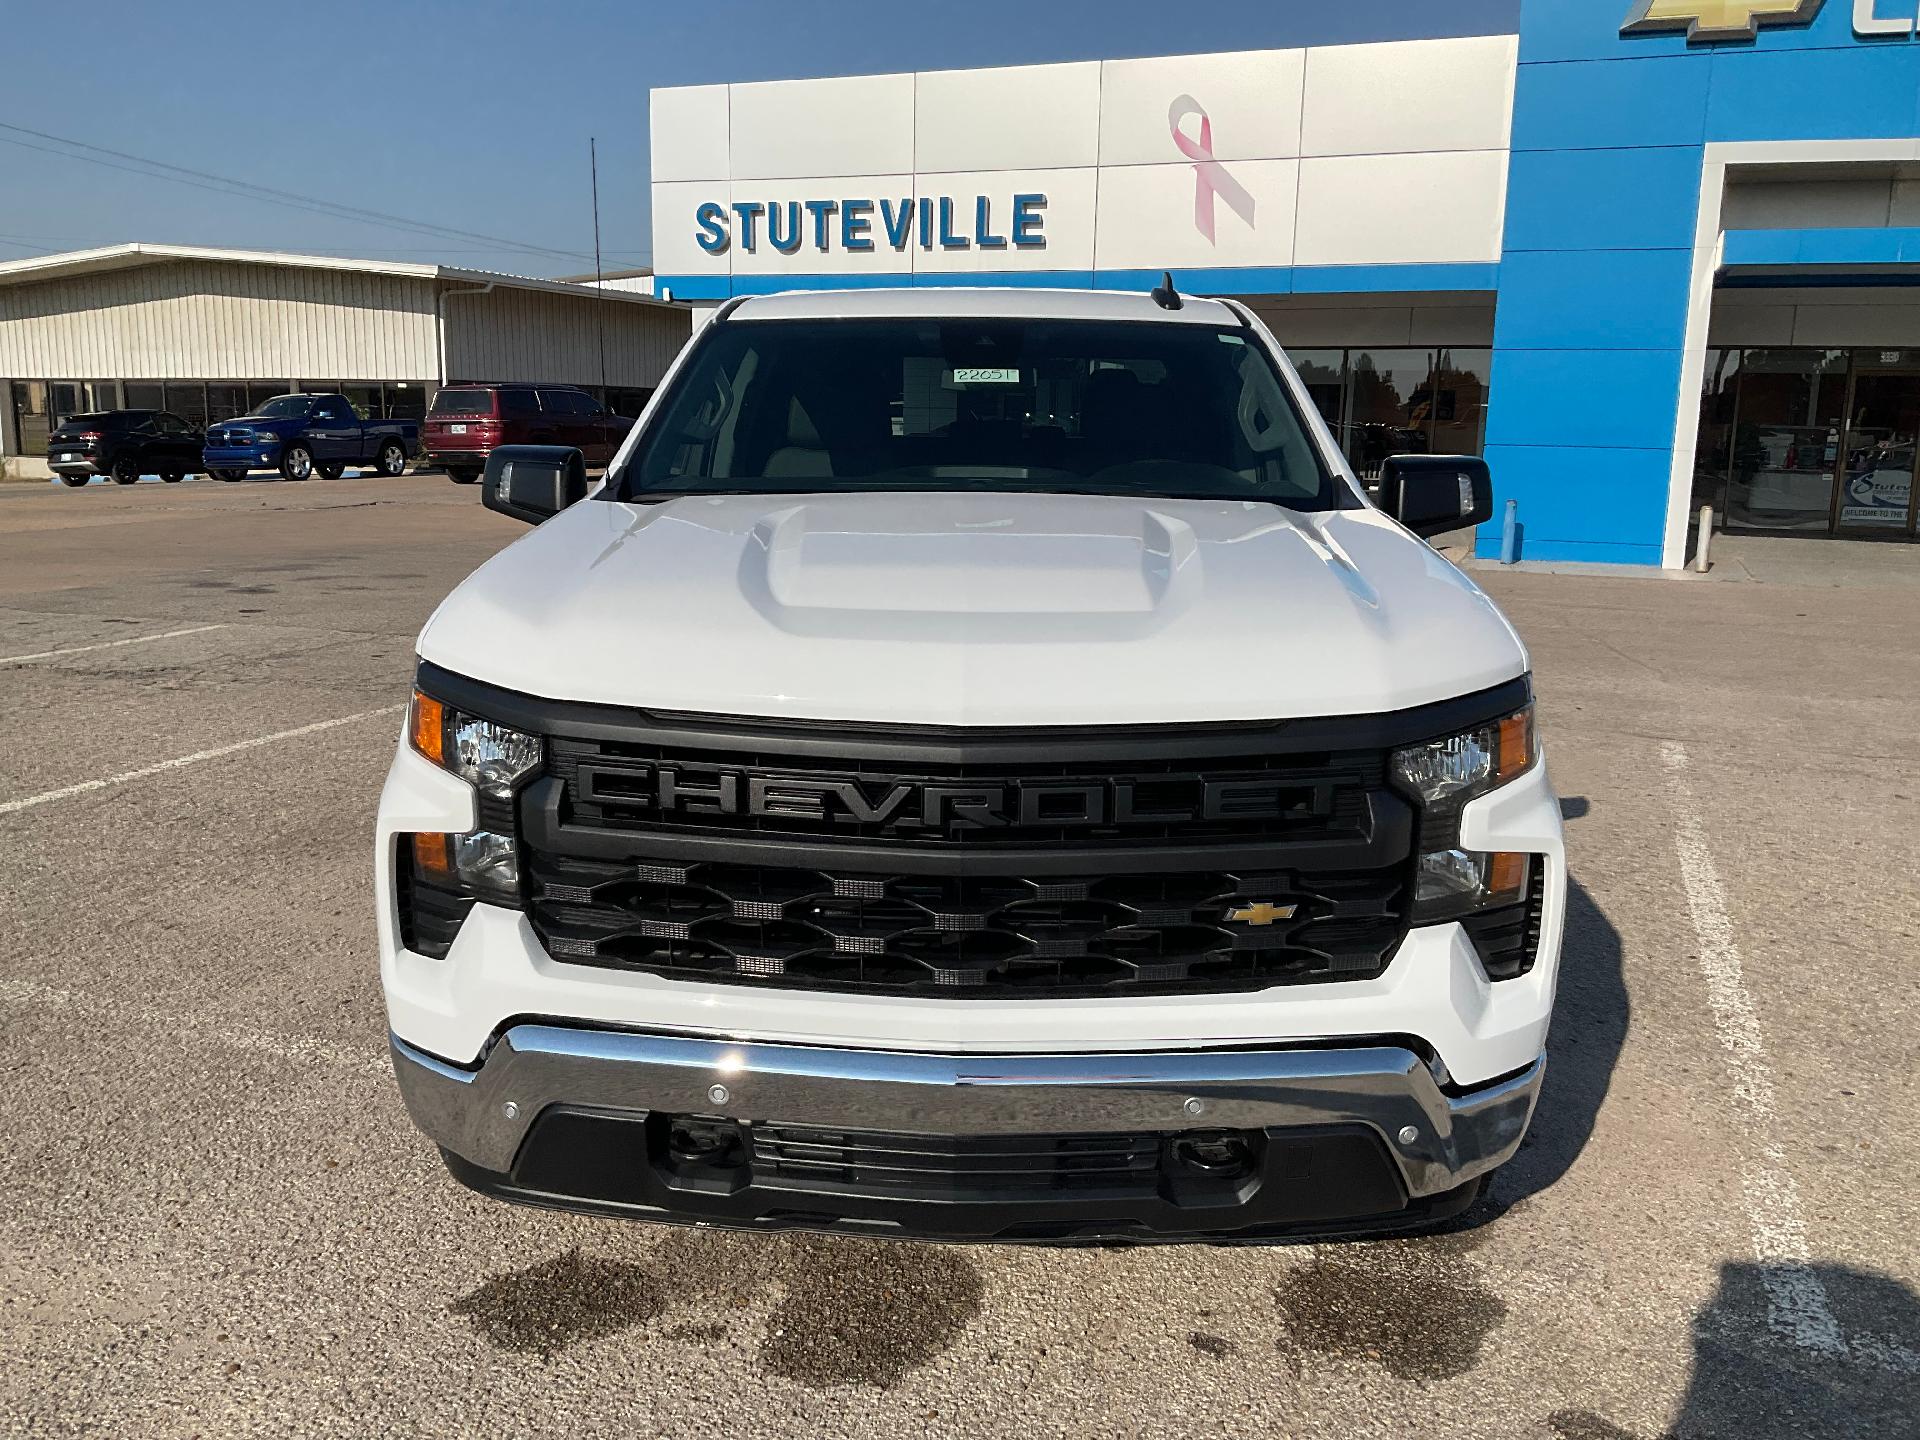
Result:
[[969, 936], [1003, 1167], [967, 863]]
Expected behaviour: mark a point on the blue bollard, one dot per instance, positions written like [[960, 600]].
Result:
[[1510, 534]]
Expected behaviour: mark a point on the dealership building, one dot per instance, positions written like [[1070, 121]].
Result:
[[209, 333], [1646, 256]]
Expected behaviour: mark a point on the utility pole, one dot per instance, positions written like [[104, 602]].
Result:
[[599, 300]]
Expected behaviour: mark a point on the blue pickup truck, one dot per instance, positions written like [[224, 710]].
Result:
[[301, 434]]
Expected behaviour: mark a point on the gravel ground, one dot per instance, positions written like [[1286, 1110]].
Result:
[[220, 1221]]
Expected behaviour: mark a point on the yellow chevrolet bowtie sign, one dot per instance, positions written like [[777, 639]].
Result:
[[1717, 19]]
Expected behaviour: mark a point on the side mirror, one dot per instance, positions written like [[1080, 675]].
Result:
[[1431, 494], [534, 482]]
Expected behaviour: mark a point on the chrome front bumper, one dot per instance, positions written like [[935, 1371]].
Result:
[[1437, 1141]]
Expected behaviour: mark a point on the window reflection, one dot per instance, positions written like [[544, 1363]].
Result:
[[1785, 439], [1460, 401]]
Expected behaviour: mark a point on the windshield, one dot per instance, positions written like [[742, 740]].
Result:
[[283, 406], [1087, 407]]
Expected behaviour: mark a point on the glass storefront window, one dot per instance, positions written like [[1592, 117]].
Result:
[[189, 401], [1713, 448], [1460, 401], [259, 392], [1876, 483], [365, 400], [406, 400], [1390, 409], [225, 401], [1786, 439], [1324, 373], [31, 420], [67, 401], [142, 395]]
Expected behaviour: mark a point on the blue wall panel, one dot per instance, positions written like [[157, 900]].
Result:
[[1894, 245], [1619, 199], [1584, 397], [1593, 299], [1605, 505], [1861, 92], [1588, 104]]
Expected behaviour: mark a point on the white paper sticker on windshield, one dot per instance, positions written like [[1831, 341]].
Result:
[[985, 376]]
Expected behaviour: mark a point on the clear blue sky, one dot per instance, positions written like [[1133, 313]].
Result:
[[476, 115]]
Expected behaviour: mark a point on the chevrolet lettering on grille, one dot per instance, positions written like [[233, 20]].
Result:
[[679, 790]]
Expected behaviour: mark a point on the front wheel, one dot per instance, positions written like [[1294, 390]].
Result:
[[126, 472], [232, 477], [331, 472], [76, 481], [392, 460], [172, 477], [463, 477], [296, 463]]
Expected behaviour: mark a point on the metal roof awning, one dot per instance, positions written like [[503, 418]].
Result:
[[71, 263]]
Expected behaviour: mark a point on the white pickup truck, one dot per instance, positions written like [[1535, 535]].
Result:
[[978, 767]]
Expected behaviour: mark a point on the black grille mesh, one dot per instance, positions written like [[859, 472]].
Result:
[[955, 1167], [1233, 866], [968, 936]]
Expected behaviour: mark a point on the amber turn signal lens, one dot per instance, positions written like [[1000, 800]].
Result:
[[433, 856], [427, 728], [1516, 745], [1506, 873]]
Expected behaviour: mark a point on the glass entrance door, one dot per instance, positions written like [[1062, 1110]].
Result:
[[1875, 493], [1785, 444]]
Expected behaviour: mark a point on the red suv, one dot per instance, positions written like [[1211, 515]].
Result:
[[465, 422]]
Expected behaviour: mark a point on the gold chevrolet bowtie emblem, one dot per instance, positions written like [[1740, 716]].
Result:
[[1262, 913], [1717, 19]]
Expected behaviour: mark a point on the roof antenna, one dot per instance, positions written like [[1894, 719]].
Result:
[[1164, 295]]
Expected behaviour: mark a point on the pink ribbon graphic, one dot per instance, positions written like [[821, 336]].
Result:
[[1210, 177]]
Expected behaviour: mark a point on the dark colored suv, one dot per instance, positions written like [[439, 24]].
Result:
[[467, 421], [125, 444]]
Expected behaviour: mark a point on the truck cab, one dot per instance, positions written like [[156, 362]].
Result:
[[978, 766]]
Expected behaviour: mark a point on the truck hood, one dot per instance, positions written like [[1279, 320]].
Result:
[[975, 609]]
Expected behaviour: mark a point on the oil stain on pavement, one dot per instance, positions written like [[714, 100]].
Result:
[[1413, 1307], [868, 1314], [843, 1312], [559, 1302]]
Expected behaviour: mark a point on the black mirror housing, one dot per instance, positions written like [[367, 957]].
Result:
[[534, 482], [1431, 494]]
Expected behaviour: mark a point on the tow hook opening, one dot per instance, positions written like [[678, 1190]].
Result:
[[1218, 1155], [692, 1140]]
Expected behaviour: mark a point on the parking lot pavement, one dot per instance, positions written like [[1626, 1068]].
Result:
[[220, 1221]]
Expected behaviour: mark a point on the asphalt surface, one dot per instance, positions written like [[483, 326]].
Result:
[[219, 1221]]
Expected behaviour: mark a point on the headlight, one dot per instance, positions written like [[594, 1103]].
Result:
[[493, 758], [1443, 775], [1453, 771]]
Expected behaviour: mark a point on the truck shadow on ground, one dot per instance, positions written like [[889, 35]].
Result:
[[1756, 1379], [1590, 1019]]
